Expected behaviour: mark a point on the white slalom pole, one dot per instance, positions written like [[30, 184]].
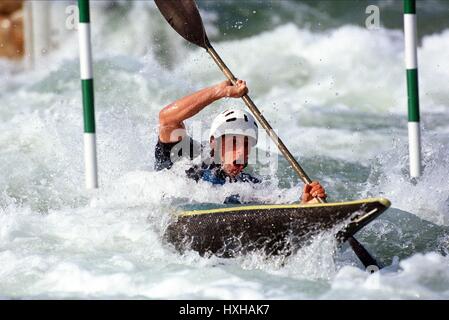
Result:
[[41, 28], [87, 84], [411, 63]]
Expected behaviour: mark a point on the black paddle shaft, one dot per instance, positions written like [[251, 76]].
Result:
[[184, 17]]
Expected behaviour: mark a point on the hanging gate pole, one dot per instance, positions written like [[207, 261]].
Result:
[[411, 64], [87, 85]]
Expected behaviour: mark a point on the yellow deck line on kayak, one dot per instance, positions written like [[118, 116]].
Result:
[[385, 202]]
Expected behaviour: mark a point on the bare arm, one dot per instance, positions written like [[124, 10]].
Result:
[[311, 192], [172, 116]]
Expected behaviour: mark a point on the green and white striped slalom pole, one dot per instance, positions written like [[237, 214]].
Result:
[[87, 85], [411, 64]]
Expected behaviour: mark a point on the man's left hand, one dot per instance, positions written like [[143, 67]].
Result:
[[312, 191]]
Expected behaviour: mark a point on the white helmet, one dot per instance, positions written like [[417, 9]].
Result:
[[235, 122]]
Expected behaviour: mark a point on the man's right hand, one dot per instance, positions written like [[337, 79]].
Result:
[[231, 91]]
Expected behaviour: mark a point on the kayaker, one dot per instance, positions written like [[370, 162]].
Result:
[[233, 134]]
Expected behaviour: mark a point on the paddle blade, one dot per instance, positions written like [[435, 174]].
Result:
[[184, 17]]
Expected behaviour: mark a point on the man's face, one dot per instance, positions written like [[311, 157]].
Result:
[[234, 153]]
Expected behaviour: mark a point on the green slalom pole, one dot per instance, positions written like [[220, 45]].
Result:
[[87, 85], [411, 63]]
